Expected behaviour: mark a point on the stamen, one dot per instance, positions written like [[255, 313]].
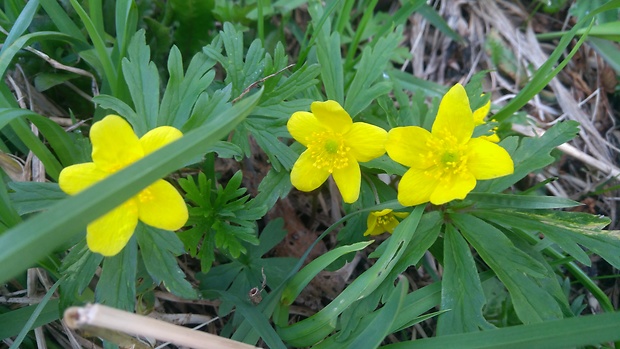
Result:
[[328, 150]]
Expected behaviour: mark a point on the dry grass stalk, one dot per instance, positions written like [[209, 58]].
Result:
[[97, 316]]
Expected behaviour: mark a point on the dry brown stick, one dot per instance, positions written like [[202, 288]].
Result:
[[102, 317]]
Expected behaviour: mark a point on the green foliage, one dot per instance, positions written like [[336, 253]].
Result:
[[221, 218], [507, 256]]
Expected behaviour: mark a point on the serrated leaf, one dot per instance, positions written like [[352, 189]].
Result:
[[364, 88], [117, 284], [298, 82], [274, 186], [78, 267], [183, 89], [328, 54], [31, 197], [462, 296], [207, 106], [159, 249], [109, 102], [142, 80]]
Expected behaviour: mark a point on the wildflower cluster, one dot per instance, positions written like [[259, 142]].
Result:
[[444, 164]]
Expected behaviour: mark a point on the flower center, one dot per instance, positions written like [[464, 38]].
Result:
[[447, 155], [328, 150], [383, 220]]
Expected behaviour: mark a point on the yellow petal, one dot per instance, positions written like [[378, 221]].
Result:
[[306, 177], [160, 205], [482, 113], [416, 187], [373, 227], [488, 160], [491, 138], [381, 213], [455, 187], [332, 115], [115, 145], [366, 141], [349, 180], [111, 232], [454, 116], [391, 225], [407, 146], [302, 125], [158, 137], [75, 178]]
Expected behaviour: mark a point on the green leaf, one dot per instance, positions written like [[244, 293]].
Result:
[[567, 229], [533, 154], [33, 317], [300, 81], [9, 214], [380, 327], [183, 90], [328, 54], [117, 285], [313, 329], [364, 89], [303, 277], [31, 197], [274, 186], [14, 321], [496, 200], [513, 267], [159, 249], [78, 269], [462, 296], [564, 333], [142, 79], [109, 102]]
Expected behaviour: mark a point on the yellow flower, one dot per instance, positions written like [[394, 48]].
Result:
[[116, 146], [335, 146], [479, 115], [446, 162], [383, 221]]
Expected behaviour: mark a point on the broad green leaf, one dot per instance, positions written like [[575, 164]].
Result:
[[304, 276], [532, 154], [567, 229], [159, 249], [9, 214], [462, 296], [380, 327], [554, 334], [142, 79], [28, 197], [78, 268], [117, 285], [14, 321], [123, 109], [496, 200], [513, 267], [274, 186], [40, 235]]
